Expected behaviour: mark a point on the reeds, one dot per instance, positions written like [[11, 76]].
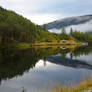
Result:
[[83, 86]]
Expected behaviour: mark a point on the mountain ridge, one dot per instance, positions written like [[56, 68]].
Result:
[[70, 21]]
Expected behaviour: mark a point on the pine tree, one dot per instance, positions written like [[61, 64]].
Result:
[[71, 31], [44, 27], [63, 31]]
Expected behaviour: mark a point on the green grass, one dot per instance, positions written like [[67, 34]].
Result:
[[28, 45], [68, 42]]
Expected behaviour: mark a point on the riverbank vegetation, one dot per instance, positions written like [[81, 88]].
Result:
[[84, 86]]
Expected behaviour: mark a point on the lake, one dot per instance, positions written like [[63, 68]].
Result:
[[41, 69]]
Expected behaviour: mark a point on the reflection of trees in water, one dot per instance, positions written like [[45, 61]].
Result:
[[16, 62], [84, 50]]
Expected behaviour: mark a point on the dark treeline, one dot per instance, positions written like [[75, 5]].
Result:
[[81, 36], [75, 34], [14, 27]]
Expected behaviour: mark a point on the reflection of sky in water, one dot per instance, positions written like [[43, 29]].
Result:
[[84, 58], [44, 76]]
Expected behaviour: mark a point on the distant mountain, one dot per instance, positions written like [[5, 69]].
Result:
[[80, 23]]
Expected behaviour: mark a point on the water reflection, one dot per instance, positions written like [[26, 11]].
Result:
[[68, 62], [35, 67]]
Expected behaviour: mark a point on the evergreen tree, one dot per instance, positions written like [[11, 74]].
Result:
[[71, 31], [44, 27], [64, 35], [63, 31]]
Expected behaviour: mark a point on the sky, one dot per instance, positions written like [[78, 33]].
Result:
[[44, 11]]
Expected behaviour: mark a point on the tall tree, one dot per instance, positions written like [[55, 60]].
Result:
[[63, 31], [71, 31], [44, 27]]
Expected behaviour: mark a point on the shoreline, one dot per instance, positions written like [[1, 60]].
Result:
[[45, 44], [85, 85]]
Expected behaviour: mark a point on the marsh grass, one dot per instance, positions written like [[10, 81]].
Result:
[[85, 84]]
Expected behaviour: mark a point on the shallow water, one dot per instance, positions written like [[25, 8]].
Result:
[[42, 69]]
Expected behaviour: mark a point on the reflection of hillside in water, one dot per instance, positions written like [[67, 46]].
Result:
[[68, 62], [16, 62]]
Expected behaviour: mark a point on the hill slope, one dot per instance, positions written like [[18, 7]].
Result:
[[81, 23], [16, 28]]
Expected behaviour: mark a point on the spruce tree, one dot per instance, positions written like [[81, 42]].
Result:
[[63, 30], [71, 31]]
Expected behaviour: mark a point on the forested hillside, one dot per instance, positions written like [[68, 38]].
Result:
[[14, 27]]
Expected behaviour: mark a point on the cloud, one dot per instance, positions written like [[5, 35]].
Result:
[[35, 8], [85, 27], [28, 6], [43, 18]]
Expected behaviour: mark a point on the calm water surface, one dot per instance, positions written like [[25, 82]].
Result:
[[42, 69]]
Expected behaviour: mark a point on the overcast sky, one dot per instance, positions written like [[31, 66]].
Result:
[[43, 11]]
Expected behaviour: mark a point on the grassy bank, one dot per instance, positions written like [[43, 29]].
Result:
[[67, 42], [28, 45], [83, 86]]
